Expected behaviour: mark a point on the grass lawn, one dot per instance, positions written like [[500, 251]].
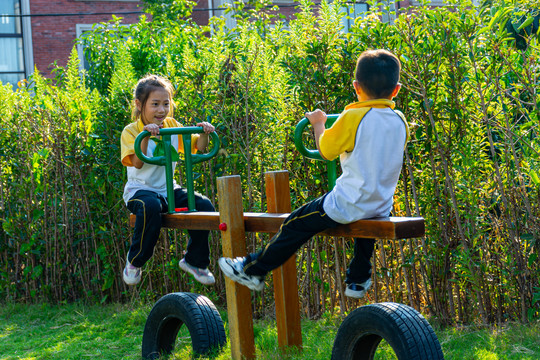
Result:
[[114, 332]]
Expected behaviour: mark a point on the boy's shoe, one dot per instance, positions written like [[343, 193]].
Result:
[[131, 274], [204, 276], [358, 291], [234, 269]]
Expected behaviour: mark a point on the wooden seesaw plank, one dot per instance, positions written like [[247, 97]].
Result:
[[379, 228]]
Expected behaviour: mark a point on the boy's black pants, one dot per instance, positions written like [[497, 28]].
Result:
[[301, 225], [148, 206]]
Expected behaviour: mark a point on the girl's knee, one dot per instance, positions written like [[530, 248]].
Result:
[[204, 204], [150, 207]]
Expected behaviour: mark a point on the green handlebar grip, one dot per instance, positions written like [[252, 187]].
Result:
[[166, 160], [311, 154], [314, 154], [160, 160]]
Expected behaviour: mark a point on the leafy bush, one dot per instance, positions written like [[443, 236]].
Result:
[[470, 89]]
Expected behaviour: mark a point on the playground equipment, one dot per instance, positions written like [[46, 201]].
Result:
[[331, 166], [166, 159], [406, 331]]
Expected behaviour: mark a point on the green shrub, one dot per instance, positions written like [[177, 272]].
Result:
[[470, 91]]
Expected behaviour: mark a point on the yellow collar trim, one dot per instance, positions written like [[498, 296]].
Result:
[[140, 125], [376, 103]]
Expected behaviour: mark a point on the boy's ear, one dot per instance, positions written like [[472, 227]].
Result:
[[396, 90], [357, 87]]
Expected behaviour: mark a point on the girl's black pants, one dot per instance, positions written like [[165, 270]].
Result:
[[148, 207]]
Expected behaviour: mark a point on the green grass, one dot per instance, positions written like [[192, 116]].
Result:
[[115, 332]]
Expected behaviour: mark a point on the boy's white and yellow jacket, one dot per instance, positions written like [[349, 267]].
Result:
[[149, 177], [369, 137]]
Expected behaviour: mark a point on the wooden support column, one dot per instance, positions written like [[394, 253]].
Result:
[[289, 329], [239, 308]]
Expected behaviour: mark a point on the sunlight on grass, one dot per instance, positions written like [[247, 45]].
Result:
[[114, 332], [8, 330], [484, 354], [72, 332]]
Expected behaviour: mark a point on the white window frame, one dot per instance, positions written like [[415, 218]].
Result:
[[28, 48], [349, 18], [108, 0], [389, 17], [80, 29], [431, 3], [26, 36]]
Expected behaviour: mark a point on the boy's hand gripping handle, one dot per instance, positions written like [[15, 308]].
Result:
[[314, 154], [166, 160]]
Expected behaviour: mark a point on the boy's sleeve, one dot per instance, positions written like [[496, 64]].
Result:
[[400, 114], [341, 136], [127, 141]]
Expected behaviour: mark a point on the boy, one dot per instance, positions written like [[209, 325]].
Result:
[[370, 137]]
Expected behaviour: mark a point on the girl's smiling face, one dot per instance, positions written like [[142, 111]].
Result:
[[156, 108]]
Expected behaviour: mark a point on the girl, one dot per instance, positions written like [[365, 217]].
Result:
[[145, 192]]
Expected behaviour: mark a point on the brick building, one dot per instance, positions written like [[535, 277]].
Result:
[[37, 33]]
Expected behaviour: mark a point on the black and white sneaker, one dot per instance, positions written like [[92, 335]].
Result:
[[234, 270], [358, 291]]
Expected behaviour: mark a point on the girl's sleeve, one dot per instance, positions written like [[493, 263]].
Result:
[[127, 141]]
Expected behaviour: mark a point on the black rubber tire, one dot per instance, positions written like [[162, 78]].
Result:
[[404, 329], [196, 311]]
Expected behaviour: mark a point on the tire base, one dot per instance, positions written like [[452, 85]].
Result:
[[173, 310], [402, 327]]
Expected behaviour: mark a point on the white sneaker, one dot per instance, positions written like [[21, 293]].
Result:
[[358, 291], [204, 276], [234, 269], [131, 274]]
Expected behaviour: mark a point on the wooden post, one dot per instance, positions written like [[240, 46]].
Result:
[[285, 283], [239, 308]]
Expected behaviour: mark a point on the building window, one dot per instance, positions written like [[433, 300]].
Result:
[[352, 11], [16, 50], [11, 42], [110, 0], [388, 11], [81, 29], [430, 3]]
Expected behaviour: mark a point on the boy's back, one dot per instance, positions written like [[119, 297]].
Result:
[[370, 138]]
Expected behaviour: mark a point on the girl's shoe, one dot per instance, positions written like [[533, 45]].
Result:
[[204, 276], [131, 274]]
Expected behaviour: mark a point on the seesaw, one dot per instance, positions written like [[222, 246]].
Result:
[[405, 330]]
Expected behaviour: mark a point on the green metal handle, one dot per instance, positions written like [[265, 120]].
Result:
[[331, 167], [189, 159]]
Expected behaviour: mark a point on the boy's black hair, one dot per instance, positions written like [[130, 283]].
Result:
[[377, 73]]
